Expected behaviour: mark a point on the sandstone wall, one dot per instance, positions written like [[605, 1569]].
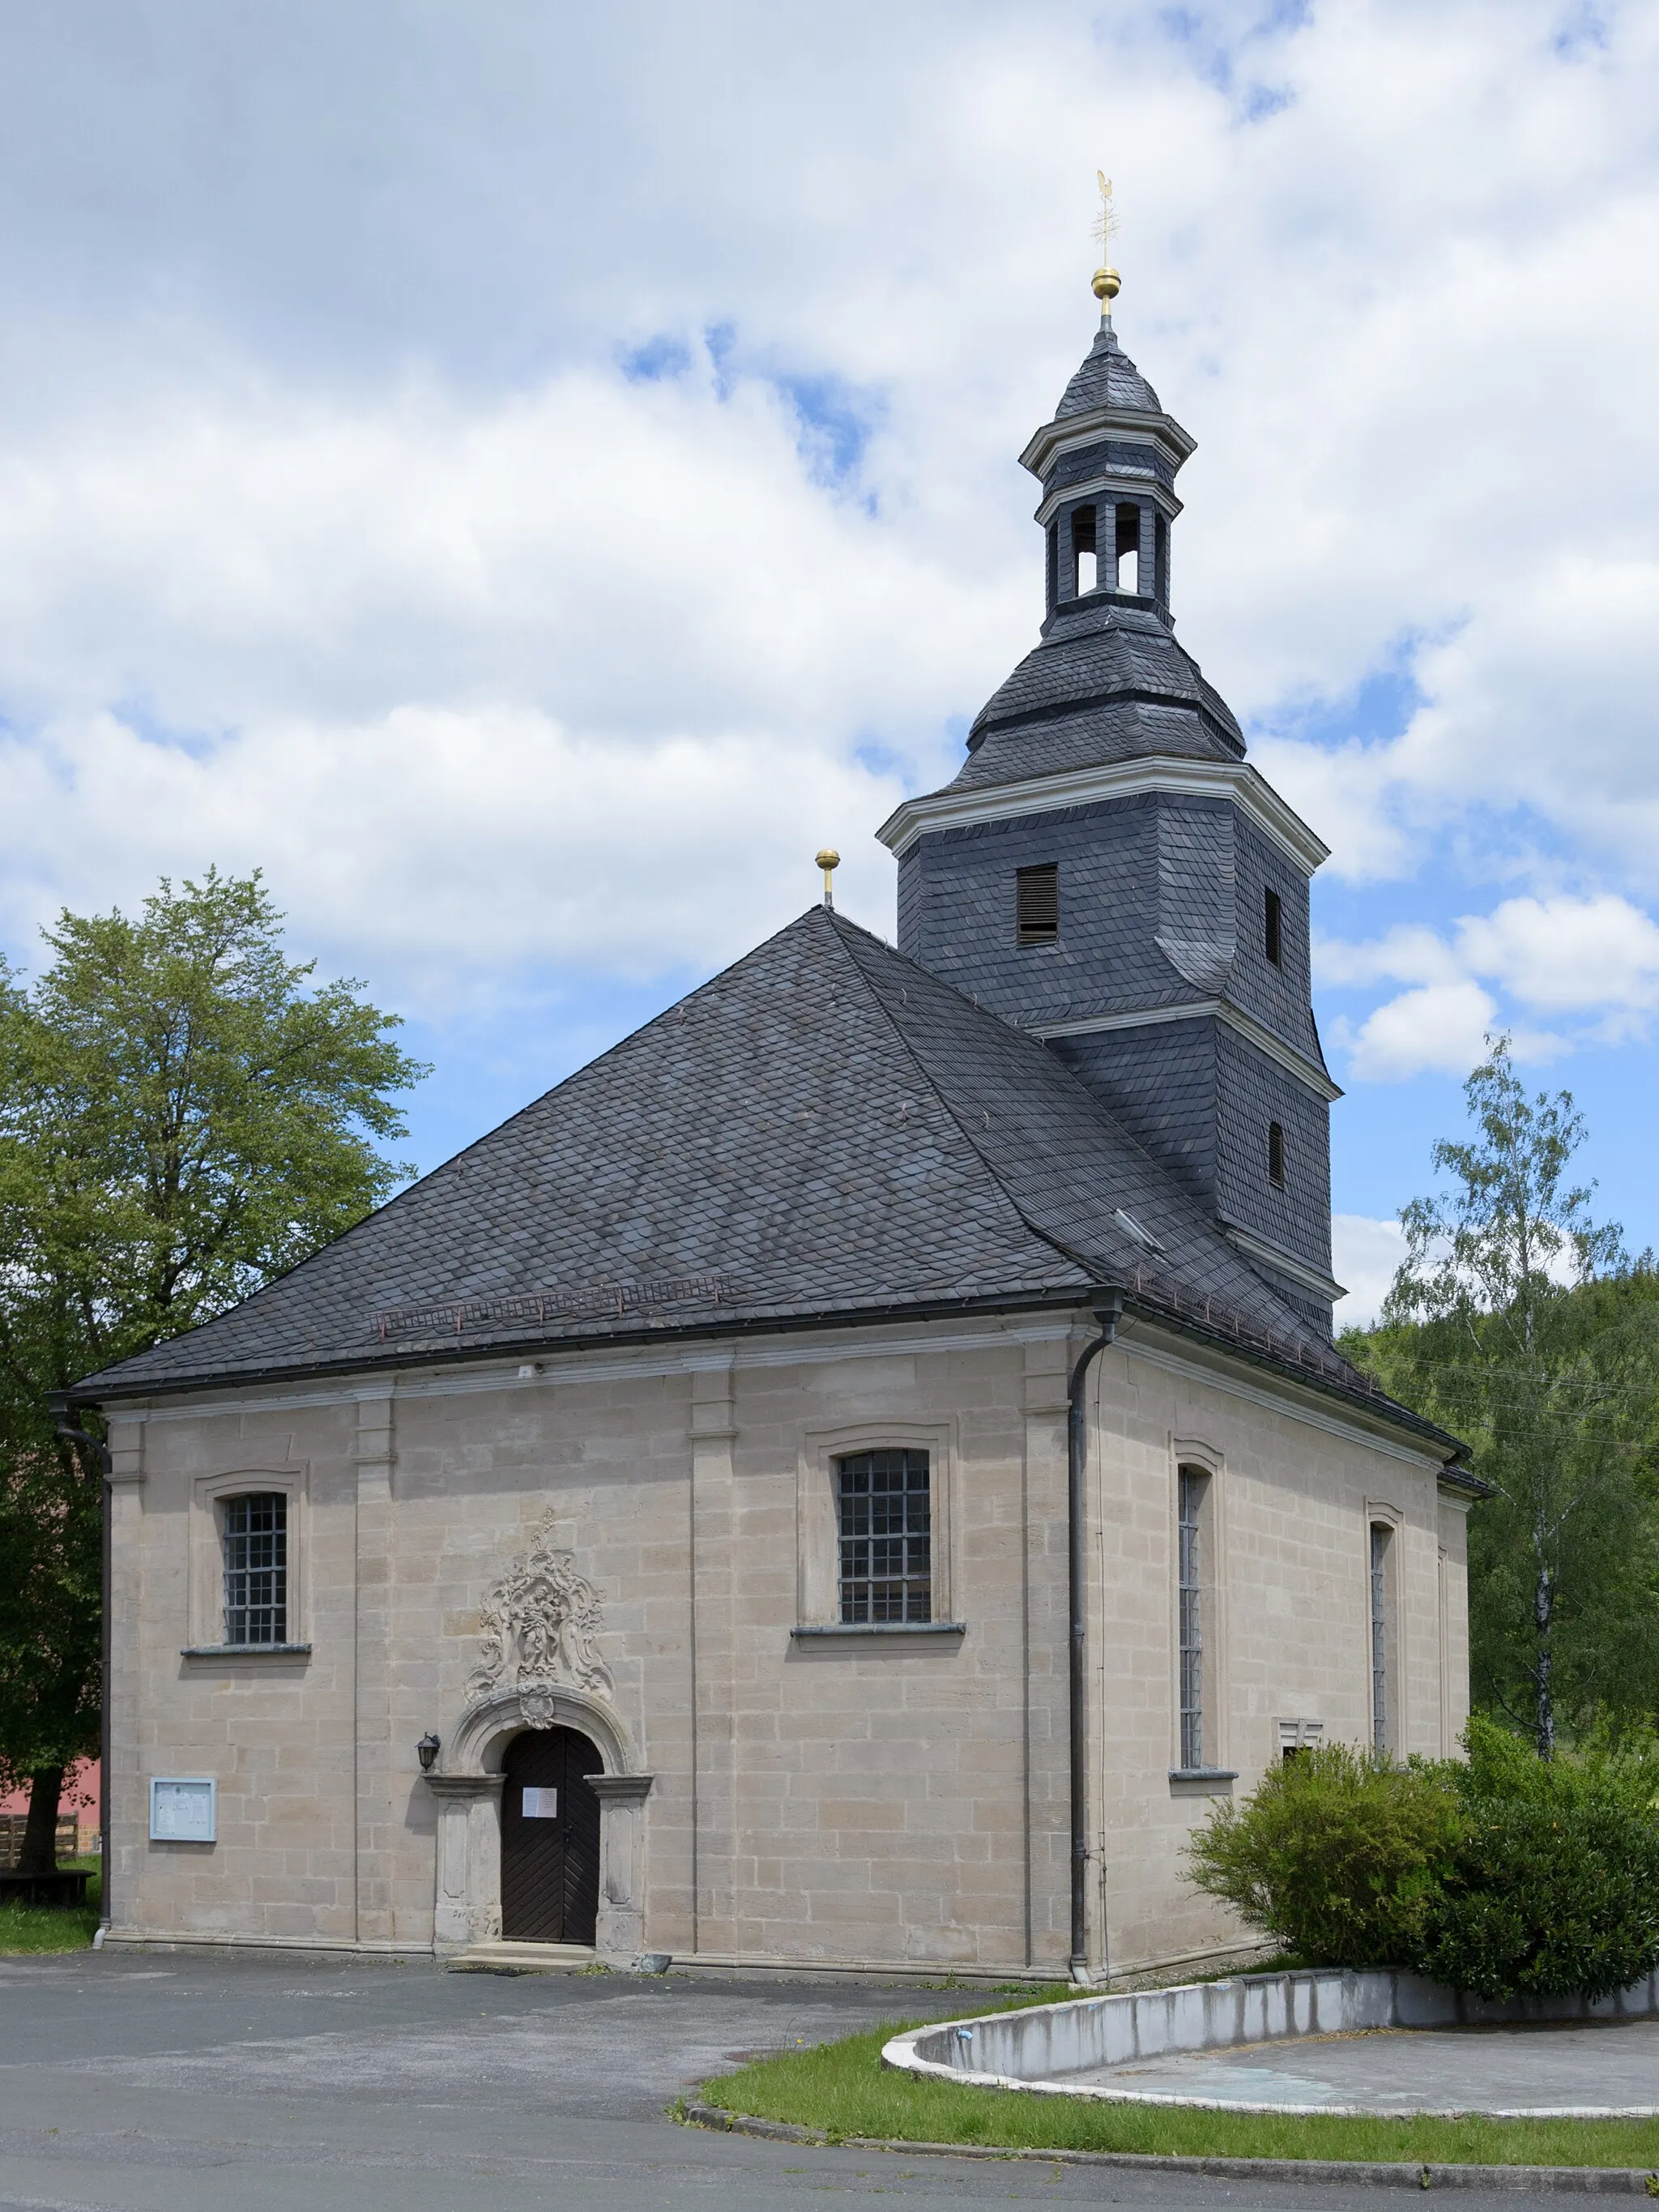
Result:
[[886, 1799]]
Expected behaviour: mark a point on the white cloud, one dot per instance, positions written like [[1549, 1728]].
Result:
[[1565, 954], [1596, 957], [438, 846], [654, 554], [1366, 1256], [1409, 953], [331, 533], [1441, 1026], [1349, 792], [362, 614]]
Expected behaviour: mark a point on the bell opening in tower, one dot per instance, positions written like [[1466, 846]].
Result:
[[1128, 534], [1085, 571]]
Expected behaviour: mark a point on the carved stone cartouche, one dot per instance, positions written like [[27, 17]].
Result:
[[537, 1631]]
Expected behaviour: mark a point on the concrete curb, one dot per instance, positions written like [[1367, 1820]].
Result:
[[1535, 2181], [1041, 2050]]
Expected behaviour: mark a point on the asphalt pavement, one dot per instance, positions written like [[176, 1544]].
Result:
[[206, 2082]]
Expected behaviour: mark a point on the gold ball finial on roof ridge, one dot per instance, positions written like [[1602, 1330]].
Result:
[[828, 859]]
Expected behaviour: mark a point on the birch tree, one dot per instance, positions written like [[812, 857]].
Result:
[[1494, 1322]]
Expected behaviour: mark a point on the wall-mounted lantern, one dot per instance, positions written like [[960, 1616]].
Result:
[[427, 1752]]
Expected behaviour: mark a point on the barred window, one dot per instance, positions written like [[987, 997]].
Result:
[[1191, 1598], [256, 1568], [1379, 1636], [885, 1514]]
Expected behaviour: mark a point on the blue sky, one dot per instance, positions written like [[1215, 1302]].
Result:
[[525, 482]]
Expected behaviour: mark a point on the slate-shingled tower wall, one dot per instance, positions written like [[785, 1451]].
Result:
[[1107, 757]]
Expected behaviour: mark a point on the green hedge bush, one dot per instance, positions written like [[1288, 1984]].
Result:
[[1501, 1873], [1548, 1901], [1338, 1856]]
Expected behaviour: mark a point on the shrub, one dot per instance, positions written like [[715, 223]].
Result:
[[1555, 1889], [1504, 1874], [1504, 1768], [1338, 1856], [1547, 1901]]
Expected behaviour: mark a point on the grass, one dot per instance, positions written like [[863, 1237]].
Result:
[[842, 2089], [38, 1928]]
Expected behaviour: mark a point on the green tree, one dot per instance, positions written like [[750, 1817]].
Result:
[[183, 1114], [1516, 1321]]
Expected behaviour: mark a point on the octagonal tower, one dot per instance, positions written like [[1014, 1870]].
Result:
[[1109, 871]]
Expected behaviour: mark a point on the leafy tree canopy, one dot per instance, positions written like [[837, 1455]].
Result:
[[1519, 1322], [185, 1114]]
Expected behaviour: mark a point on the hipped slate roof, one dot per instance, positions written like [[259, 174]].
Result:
[[823, 1129], [1108, 682], [1108, 378]]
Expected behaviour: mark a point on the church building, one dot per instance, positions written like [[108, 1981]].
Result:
[[851, 1478]]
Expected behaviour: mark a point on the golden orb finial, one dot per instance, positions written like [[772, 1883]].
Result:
[[1105, 283], [828, 859]]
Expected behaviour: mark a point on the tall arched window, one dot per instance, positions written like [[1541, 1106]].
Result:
[[1382, 1638], [1194, 1482]]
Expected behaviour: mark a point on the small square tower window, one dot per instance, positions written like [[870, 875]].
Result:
[[1272, 931], [1037, 904], [1276, 1155]]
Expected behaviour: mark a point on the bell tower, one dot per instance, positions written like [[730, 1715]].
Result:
[[1109, 871]]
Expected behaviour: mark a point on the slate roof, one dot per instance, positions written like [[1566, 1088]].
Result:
[[1108, 378], [825, 1129], [1107, 683]]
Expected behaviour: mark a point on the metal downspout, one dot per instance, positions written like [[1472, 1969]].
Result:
[[1107, 1308]]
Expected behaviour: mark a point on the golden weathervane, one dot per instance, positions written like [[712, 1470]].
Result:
[[1106, 283]]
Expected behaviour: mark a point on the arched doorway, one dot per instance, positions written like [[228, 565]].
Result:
[[549, 1837]]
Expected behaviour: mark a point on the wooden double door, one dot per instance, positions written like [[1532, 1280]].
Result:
[[550, 1839]]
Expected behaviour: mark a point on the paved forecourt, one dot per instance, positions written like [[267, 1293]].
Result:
[[1592, 2069], [178, 2082]]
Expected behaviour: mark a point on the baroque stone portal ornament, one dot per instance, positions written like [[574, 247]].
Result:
[[537, 1631]]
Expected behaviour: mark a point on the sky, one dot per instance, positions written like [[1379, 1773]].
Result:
[[525, 476]]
